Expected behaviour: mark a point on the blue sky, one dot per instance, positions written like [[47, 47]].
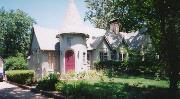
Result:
[[47, 13]]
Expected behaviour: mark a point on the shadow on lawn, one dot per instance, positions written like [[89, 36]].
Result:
[[151, 92]]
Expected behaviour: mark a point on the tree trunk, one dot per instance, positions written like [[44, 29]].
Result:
[[173, 81]]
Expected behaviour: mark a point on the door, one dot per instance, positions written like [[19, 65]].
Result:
[[69, 61]]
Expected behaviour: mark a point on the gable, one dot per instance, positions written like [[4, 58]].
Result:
[[34, 43], [104, 45], [114, 40]]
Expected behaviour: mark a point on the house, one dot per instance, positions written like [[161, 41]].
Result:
[[1, 65], [75, 46]]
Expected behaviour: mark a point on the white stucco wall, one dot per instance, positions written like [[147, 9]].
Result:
[[34, 61], [38, 60], [78, 46]]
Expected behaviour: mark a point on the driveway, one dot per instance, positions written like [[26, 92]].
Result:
[[9, 91]]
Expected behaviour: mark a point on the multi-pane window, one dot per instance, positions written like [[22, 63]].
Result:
[[51, 59], [103, 56], [122, 56]]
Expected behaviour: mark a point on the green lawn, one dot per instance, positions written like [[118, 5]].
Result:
[[133, 81]]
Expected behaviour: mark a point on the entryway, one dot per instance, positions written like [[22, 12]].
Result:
[[69, 61]]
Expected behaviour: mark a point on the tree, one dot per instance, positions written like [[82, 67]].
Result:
[[169, 12], [159, 16], [15, 26], [17, 62]]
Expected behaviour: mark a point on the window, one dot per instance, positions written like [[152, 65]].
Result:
[[51, 59], [113, 55], [88, 58], [122, 56], [84, 57], [103, 56]]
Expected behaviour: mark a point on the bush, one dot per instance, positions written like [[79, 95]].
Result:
[[84, 90], [48, 83], [20, 76], [16, 63], [133, 67]]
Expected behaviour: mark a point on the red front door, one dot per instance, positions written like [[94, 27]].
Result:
[[69, 61]]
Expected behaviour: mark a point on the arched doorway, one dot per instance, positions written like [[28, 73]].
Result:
[[69, 61]]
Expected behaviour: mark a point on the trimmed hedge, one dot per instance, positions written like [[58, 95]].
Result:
[[20, 76]]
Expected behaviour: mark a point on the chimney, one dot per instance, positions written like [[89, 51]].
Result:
[[114, 26]]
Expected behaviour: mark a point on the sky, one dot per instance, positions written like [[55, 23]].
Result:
[[47, 13]]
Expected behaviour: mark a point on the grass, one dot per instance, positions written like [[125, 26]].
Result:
[[133, 81], [142, 82], [120, 88]]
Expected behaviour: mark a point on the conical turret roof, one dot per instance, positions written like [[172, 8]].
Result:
[[72, 21]]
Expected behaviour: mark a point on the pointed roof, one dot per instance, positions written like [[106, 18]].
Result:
[[72, 21]]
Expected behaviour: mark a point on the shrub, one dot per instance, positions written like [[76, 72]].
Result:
[[84, 90], [20, 76], [16, 63], [48, 83], [132, 67]]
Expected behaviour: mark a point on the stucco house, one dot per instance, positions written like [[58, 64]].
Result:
[[75, 46]]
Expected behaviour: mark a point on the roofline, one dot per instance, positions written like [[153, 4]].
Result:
[[108, 43], [103, 38], [32, 31], [48, 50], [86, 35], [31, 39]]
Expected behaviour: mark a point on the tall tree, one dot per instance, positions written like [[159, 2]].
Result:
[[169, 13], [161, 17], [15, 26]]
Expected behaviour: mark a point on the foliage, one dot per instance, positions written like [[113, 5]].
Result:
[[121, 88], [15, 63], [90, 74], [20, 76], [15, 27], [84, 90], [168, 12], [148, 68], [48, 83], [160, 17]]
